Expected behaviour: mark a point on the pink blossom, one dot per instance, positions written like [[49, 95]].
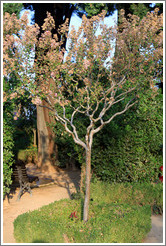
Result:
[[36, 101], [47, 33], [13, 95], [86, 81], [86, 63], [52, 74]]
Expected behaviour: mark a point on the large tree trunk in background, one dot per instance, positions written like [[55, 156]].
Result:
[[46, 144]]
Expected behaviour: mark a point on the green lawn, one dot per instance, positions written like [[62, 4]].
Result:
[[119, 213]]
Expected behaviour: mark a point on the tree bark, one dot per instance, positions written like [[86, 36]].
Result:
[[82, 181], [46, 144], [46, 147], [34, 137], [87, 184]]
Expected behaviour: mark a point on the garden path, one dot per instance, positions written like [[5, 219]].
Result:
[[156, 233], [63, 183], [49, 188]]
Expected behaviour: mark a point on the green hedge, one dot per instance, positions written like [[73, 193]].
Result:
[[129, 149], [8, 145]]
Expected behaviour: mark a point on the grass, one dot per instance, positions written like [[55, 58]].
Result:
[[119, 213], [132, 193]]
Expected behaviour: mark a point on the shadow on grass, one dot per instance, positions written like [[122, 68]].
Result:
[[39, 241]]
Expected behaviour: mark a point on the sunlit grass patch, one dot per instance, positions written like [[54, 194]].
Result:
[[119, 213]]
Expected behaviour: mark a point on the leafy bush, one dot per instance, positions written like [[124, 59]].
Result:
[[29, 154], [130, 149], [8, 145]]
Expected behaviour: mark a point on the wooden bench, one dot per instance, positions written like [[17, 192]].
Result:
[[21, 178]]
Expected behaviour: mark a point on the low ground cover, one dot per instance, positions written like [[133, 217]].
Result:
[[119, 213]]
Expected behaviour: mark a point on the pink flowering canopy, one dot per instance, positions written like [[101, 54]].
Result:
[[84, 82]]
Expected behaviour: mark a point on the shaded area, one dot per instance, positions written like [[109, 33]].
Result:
[[61, 177], [39, 241]]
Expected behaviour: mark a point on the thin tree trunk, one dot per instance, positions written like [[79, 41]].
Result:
[[82, 181], [87, 184]]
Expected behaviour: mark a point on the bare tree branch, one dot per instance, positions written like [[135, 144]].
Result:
[[128, 105]]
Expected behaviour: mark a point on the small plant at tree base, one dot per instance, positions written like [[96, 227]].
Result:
[[92, 79], [73, 215]]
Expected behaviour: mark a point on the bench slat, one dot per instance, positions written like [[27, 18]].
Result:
[[20, 175]]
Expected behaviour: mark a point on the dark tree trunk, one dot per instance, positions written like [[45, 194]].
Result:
[[47, 149]]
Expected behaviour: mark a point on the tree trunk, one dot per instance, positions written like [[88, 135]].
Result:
[[87, 184], [45, 142], [82, 181], [34, 137]]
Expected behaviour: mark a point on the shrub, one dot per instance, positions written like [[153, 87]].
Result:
[[8, 145], [130, 149], [29, 154]]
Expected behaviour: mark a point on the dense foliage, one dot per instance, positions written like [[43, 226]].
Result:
[[130, 149], [12, 8], [8, 155]]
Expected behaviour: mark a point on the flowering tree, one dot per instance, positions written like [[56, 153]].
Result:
[[90, 81]]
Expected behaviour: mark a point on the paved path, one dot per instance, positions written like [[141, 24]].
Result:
[[156, 233]]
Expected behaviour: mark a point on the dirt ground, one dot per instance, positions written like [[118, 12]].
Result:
[[50, 188]]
